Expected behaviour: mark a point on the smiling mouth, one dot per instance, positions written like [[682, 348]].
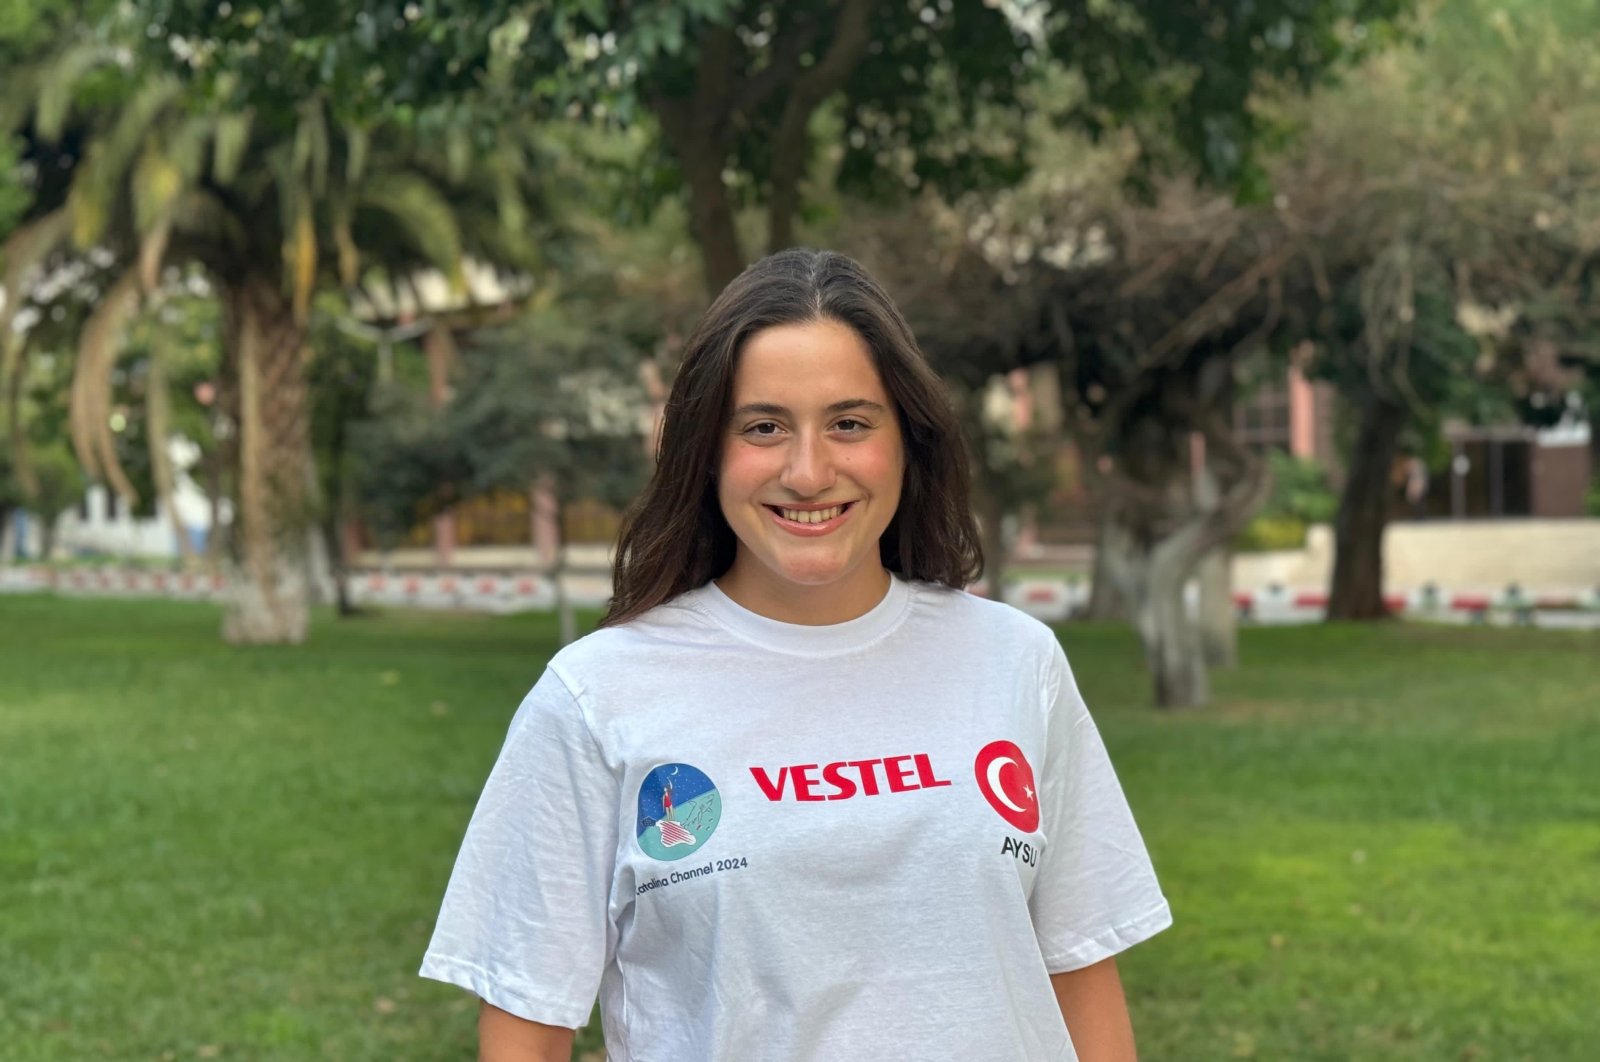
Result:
[[811, 516]]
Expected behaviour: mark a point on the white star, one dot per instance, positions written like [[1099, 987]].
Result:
[[1029, 791]]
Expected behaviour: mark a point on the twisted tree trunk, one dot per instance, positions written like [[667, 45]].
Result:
[[1219, 625], [268, 598], [1158, 527], [1150, 575], [1357, 590], [1105, 600]]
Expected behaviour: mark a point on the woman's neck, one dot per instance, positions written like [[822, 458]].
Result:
[[838, 601]]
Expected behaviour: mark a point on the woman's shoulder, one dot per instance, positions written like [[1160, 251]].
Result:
[[671, 623], [963, 613]]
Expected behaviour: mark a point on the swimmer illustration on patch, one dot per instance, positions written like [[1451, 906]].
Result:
[[689, 807], [672, 833]]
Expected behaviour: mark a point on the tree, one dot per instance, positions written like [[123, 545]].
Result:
[[960, 308], [551, 400], [12, 496], [60, 485], [1393, 345], [1462, 238], [926, 96], [38, 473], [735, 103], [280, 150]]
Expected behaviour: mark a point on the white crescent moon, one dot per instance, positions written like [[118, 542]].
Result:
[[994, 783], [674, 770]]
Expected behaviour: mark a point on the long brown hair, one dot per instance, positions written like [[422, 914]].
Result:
[[674, 537]]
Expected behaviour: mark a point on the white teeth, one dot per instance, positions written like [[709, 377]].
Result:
[[815, 516]]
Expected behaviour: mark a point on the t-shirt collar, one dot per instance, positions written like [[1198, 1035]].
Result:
[[806, 639]]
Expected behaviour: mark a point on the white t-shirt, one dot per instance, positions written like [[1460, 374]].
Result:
[[756, 840]]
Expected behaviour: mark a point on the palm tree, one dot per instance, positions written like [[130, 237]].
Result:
[[271, 204]]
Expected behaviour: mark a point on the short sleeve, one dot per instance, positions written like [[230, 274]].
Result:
[[523, 924], [1096, 892]]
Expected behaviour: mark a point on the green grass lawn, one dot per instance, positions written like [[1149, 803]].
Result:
[[1378, 844]]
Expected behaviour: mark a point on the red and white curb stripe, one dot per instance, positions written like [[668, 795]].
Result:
[[477, 591], [1051, 600]]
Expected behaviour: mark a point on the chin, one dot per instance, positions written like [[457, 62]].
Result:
[[812, 574]]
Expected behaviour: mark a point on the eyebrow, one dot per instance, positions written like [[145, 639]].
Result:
[[772, 409]]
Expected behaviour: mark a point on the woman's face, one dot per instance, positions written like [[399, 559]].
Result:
[[810, 474]]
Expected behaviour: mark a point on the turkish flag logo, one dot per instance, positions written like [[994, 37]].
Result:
[[1006, 780]]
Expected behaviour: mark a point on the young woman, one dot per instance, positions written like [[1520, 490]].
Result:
[[802, 797]]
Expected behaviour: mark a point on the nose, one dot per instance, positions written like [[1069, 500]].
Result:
[[809, 468]]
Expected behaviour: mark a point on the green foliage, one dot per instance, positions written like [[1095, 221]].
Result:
[[183, 334], [1475, 203], [1186, 76], [253, 844], [1300, 489], [1268, 533], [340, 379], [553, 397], [405, 467], [936, 102], [368, 60], [11, 492], [336, 129], [14, 196], [414, 204], [61, 482], [1393, 331], [1301, 496]]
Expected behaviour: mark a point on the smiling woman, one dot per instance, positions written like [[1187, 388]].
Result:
[[810, 475], [793, 695], [800, 334]]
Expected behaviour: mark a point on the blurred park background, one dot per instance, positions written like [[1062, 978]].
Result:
[[333, 341]]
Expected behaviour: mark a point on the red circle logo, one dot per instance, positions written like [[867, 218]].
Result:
[[1006, 780]]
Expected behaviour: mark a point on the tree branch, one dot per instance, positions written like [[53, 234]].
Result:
[[851, 35], [714, 98], [780, 70]]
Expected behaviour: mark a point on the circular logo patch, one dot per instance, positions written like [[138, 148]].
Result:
[[679, 808], [1006, 780]]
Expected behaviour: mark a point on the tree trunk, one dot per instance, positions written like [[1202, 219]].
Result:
[[335, 512], [1219, 627], [1172, 643], [1157, 530], [702, 154], [1105, 601], [852, 35], [329, 530], [268, 585], [214, 528], [1151, 579], [1357, 589], [47, 537], [712, 222]]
